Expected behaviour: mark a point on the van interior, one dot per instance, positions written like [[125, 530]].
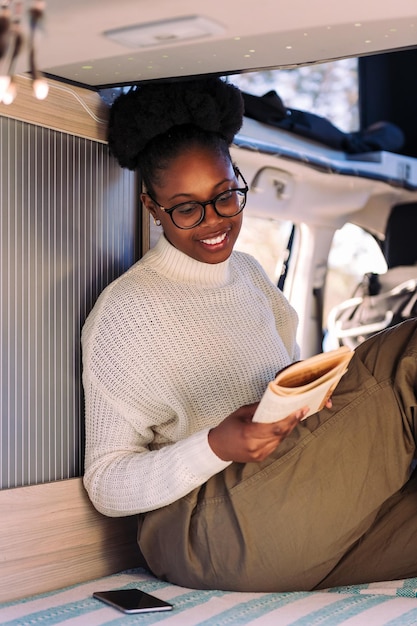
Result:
[[333, 226]]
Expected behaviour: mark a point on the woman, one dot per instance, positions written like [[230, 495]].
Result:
[[177, 353]]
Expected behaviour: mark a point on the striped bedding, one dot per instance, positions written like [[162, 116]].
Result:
[[389, 603]]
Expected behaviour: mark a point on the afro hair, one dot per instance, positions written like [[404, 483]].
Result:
[[149, 110]]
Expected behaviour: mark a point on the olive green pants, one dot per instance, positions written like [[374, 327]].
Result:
[[333, 505]]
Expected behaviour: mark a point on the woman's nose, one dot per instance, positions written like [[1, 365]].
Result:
[[210, 215]]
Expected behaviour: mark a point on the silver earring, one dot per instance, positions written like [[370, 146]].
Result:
[[156, 222]]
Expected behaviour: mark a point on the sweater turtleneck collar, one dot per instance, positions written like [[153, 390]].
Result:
[[180, 267]]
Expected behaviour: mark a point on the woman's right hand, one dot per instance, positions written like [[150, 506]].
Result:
[[237, 438]]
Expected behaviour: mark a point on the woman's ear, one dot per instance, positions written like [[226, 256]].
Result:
[[148, 203]]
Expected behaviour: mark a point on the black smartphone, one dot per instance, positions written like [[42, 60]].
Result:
[[132, 601]]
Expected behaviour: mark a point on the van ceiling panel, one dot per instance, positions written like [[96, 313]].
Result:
[[248, 36]]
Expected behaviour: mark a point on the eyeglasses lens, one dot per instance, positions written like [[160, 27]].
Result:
[[227, 204]]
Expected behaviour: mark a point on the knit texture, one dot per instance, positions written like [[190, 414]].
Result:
[[170, 349]]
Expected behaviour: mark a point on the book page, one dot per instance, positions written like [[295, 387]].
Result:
[[308, 383]]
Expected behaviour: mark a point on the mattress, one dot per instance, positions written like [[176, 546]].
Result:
[[390, 603]]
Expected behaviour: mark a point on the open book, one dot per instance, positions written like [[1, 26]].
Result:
[[306, 383]]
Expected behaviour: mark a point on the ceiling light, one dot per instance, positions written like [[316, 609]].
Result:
[[164, 32], [12, 39]]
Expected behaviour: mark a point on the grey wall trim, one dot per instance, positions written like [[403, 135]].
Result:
[[67, 228]]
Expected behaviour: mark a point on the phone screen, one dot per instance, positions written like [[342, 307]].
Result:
[[132, 601]]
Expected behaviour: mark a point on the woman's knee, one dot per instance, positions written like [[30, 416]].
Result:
[[382, 353]]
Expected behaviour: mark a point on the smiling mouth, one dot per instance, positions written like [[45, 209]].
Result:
[[215, 240]]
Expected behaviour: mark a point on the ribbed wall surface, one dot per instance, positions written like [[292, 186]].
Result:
[[67, 228]]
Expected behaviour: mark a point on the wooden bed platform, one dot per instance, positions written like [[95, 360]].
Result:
[[51, 536], [56, 549]]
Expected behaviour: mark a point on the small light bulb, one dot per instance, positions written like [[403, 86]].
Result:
[[10, 93], [4, 85], [40, 88], [39, 5]]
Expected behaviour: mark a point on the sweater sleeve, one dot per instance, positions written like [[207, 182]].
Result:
[[129, 468], [123, 477]]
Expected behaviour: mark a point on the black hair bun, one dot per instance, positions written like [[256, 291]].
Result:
[[148, 110]]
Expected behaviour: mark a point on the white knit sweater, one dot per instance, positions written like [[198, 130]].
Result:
[[170, 349]]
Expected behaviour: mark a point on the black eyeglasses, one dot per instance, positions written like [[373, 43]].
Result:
[[187, 215]]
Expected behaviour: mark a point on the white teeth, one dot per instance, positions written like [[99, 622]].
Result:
[[215, 240]]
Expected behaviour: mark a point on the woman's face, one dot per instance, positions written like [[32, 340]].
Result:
[[199, 174]]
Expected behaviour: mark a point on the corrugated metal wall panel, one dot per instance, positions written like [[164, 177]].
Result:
[[67, 228]]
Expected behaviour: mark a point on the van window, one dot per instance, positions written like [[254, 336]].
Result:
[[267, 241], [327, 89], [354, 252]]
